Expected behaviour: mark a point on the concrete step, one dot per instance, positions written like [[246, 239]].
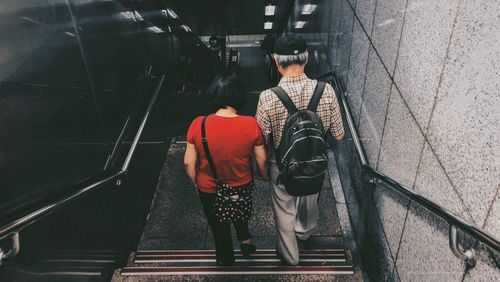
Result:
[[238, 270], [265, 255], [157, 263]]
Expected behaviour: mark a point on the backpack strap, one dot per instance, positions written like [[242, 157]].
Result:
[[205, 147], [318, 91], [285, 99]]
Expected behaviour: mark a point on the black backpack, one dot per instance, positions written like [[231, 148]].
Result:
[[301, 155]]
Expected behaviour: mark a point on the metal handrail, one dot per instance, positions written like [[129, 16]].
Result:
[[20, 223], [143, 123], [454, 221], [14, 226]]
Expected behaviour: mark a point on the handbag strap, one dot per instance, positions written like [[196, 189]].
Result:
[[207, 151]]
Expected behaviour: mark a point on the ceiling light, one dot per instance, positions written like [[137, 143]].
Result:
[[138, 16], [128, 15], [308, 9], [270, 10], [186, 28], [268, 25], [155, 29], [300, 24], [172, 14]]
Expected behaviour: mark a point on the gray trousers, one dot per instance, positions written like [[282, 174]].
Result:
[[296, 217]]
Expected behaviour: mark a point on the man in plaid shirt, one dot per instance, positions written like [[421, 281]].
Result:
[[296, 217]]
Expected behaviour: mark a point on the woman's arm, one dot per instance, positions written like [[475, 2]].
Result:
[[190, 158], [261, 158]]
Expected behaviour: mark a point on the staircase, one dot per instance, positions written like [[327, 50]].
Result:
[[177, 245]]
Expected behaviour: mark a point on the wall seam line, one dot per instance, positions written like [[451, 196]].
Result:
[[493, 200], [446, 58], [390, 89], [426, 133], [383, 128], [368, 57], [350, 47], [402, 234], [399, 43], [393, 256]]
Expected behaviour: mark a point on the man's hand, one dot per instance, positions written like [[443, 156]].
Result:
[[261, 159]]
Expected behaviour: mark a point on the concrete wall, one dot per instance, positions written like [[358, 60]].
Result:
[[423, 80]]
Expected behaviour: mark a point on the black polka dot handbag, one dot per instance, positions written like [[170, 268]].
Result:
[[232, 204]]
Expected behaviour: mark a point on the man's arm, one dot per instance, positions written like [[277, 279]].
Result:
[[190, 158], [336, 125], [263, 118]]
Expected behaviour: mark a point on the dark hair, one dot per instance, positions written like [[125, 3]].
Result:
[[227, 90]]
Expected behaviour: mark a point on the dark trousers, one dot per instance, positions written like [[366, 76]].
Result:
[[222, 231]]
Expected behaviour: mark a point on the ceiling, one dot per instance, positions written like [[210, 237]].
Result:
[[225, 17]]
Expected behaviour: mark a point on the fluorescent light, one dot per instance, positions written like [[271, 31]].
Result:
[[186, 28], [300, 24], [128, 15], [138, 16], [268, 25], [172, 14], [30, 20], [155, 29], [308, 9], [270, 10]]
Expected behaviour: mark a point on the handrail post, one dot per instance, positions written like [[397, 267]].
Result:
[[469, 255], [14, 250]]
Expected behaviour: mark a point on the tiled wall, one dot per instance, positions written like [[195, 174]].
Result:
[[423, 80]]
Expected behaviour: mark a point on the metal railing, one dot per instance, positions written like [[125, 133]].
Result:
[[14, 226], [454, 221]]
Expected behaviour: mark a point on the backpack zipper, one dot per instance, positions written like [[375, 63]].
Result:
[[300, 139], [315, 129]]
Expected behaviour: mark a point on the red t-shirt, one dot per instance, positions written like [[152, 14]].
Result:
[[231, 141]]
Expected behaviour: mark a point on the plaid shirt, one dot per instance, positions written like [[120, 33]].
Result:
[[272, 114]]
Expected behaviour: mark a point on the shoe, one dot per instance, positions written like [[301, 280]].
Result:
[[221, 263], [284, 261], [248, 249]]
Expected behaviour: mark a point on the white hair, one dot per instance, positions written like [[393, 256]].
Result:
[[287, 60]]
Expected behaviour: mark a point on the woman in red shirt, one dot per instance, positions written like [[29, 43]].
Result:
[[232, 140]]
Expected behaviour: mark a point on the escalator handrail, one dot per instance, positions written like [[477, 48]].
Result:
[[470, 228], [31, 216]]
